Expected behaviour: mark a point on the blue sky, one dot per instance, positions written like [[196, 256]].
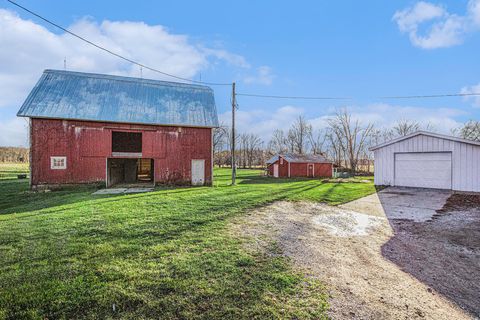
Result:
[[337, 48]]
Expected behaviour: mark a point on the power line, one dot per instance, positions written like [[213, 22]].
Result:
[[291, 97], [141, 65], [346, 98], [431, 96], [114, 53]]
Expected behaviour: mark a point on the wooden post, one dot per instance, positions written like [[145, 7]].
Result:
[[234, 165]]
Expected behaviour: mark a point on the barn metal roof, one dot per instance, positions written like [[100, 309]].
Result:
[[424, 133], [299, 158], [98, 97]]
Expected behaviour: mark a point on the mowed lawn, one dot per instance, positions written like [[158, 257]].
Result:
[[165, 254]]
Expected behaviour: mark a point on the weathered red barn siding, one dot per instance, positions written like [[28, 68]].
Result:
[[87, 145], [282, 168], [319, 169], [301, 169]]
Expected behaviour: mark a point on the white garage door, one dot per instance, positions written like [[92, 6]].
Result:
[[424, 170]]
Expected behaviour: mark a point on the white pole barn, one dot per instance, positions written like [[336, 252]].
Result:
[[428, 160]]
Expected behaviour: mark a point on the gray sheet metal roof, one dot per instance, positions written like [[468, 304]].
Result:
[[425, 133], [299, 158], [97, 97]]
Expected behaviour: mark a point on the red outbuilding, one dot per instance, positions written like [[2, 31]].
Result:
[[299, 165], [89, 128]]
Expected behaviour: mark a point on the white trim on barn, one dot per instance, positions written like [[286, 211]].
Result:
[[424, 150]]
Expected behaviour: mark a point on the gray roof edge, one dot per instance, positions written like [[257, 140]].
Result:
[[33, 92], [138, 123], [209, 122], [126, 78], [291, 160], [425, 133]]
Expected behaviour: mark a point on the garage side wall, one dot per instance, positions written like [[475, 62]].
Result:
[[465, 160]]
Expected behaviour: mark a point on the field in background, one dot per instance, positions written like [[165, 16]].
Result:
[[11, 170], [164, 254]]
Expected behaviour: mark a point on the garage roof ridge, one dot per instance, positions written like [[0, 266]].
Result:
[[425, 133]]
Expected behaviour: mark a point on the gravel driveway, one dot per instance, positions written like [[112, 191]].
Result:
[[387, 256]]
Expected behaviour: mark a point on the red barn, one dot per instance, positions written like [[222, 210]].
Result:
[[88, 128], [297, 165]]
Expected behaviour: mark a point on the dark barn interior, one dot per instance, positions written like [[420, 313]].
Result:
[[129, 172], [130, 142]]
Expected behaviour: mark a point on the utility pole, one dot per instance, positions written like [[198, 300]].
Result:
[[234, 106]]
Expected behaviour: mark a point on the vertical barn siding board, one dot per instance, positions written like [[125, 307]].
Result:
[[469, 168]]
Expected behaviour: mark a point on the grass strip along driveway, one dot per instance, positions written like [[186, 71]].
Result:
[[164, 254]]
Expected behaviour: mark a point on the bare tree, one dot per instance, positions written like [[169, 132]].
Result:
[[298, 135], [220, 136], [253, 148], [334, 149], [317, 139], [405, 127], [250, 151], [351, 136], [278, 142], [469, 131]]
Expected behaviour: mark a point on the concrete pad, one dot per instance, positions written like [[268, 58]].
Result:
[[122, 191], [110, 191], [401, 203], [138, 190]]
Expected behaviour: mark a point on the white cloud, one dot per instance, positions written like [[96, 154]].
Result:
[[28, 48], [474, 99], [474, 11], [443, 29], [14, 132], [264, 123], [263, 76], [231, 58], [386, 115]]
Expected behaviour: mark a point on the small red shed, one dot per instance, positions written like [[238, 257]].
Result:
[[299, 165], [87, 128]]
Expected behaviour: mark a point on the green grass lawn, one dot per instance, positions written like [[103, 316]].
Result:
[[165, 254]]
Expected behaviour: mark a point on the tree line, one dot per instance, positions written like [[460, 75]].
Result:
[[13, 154], [343, 139]]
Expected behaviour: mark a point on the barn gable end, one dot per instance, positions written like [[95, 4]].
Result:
[[88, 128]]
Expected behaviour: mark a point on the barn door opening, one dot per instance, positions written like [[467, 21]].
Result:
[[126, 172]]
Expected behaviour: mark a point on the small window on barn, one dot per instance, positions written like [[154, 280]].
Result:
[[127, 142], [58, 163], [281, 160]]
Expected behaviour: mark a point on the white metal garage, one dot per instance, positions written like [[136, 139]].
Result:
[[428, 160]]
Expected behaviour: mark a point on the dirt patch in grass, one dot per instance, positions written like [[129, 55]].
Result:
[[361, 282]]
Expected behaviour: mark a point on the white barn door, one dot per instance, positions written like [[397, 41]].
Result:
[[198, 172], [424, 170], [275, 170]]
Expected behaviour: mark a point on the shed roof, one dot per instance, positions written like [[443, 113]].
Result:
[[299, 158], [425, 133], [98, 97]]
